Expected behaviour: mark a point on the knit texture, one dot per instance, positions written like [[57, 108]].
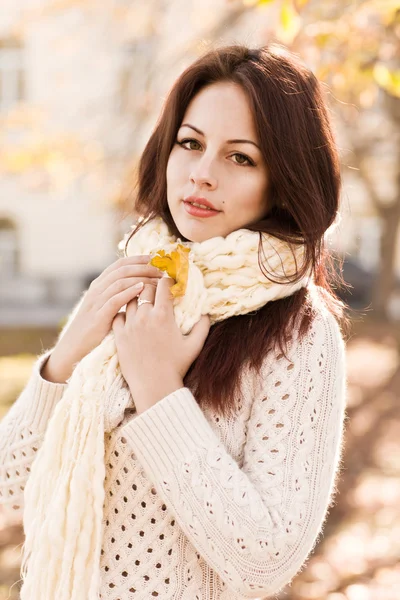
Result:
[[199, 507], [225, 278], [64, 496]]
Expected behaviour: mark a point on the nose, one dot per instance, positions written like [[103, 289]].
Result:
[[201, 174]]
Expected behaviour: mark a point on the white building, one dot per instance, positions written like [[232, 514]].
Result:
[[57, 227], [80, 89]]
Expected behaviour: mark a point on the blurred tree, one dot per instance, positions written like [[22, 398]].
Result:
[[354, 47]]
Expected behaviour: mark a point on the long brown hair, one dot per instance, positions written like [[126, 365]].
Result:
[[303, 197]]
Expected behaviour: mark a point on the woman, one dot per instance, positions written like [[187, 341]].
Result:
[[223, 446]]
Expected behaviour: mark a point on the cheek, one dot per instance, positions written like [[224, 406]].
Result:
[[254, 193]]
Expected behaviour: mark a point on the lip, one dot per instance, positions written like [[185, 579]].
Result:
[[196, 211], [200, 200]]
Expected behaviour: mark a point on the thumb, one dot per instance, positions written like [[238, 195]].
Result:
[[198, 334]]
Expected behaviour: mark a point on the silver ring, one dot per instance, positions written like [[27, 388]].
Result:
[[140, 301]]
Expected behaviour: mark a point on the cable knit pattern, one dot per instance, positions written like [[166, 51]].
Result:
[[118, 399], [224, 277], [199, 507], [21, 435]]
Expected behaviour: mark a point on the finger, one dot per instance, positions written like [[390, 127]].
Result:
[[117, 302], [120, 286], [118, 276], [148, 293], [118, 323], [140, 259], [164, 298], [126, 267], [198, 335], [132, 305]]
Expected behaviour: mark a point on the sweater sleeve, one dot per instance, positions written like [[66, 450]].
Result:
[[255, 524], [21, 434]]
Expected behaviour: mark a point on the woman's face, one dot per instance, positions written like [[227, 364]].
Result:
[[216, 158]]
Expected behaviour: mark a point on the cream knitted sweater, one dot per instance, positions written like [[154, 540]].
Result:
[[198, 507]]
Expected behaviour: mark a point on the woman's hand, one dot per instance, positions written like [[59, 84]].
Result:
[[154, 355], [106, 295]]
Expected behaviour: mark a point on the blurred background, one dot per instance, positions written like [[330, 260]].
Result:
[[81, 85]]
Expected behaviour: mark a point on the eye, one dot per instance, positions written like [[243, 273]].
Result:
[[246, 158], [188, 141], [247, 161]]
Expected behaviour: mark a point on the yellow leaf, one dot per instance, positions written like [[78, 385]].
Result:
[[388, 9], [389, 80], [290, 22], [301, 3], [287, 15], [176, 264]]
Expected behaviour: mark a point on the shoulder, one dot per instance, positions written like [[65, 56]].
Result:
[[310, 380], [321, 350], [324, 330]]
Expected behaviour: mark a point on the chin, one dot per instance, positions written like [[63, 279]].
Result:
[[187, 236], [196, 231], [193, 229]]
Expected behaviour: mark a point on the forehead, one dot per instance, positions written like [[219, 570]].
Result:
[[221, 107]]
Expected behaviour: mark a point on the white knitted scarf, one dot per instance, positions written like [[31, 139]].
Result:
[[64, 495]]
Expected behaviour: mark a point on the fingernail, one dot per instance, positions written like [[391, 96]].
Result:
[[139, 285]]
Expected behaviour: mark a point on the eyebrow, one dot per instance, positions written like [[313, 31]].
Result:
[[228, 141]]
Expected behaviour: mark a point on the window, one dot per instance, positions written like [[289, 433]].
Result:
[[12, 73]]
